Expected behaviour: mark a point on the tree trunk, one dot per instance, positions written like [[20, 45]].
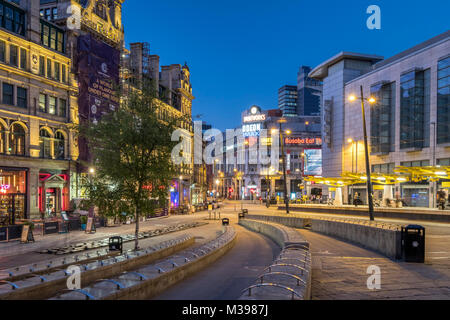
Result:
[[136, 242]]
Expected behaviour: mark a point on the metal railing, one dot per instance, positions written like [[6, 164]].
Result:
[[292, 291]]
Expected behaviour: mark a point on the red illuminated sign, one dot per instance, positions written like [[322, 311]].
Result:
[[303, 141]]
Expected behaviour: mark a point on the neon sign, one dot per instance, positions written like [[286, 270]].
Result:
[[304, 141], [251, 130], [4, 188], [255, 118]]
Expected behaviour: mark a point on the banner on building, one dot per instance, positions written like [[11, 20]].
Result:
[[98, 66]]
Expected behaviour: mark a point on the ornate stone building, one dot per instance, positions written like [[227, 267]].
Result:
[[172, 85], [38, 109]]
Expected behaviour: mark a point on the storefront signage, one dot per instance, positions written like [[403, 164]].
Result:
[[255, 118], [304, 141], [251, 130]]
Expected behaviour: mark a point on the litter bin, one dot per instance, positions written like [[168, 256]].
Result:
[[226, 222], [413, 243], [116, 244]]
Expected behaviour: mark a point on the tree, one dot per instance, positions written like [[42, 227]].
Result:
[[132, 150]]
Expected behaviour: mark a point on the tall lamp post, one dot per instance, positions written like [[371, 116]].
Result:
[[283, 155], [371, 100]]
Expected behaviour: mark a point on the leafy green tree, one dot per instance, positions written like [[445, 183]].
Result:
[[132, 150]]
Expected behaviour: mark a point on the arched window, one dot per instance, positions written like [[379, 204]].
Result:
[[2, 139], [17, 140], [60, 146], [45, 144]]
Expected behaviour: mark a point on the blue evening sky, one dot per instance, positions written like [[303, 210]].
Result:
[[240, 52]]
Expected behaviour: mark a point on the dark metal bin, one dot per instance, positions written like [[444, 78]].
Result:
[[413, 243], [116, 244]]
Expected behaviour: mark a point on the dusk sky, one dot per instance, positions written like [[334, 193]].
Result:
[[240, 52]]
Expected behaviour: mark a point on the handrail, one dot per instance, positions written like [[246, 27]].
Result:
[[294, 293], [85, 293], [140, 275], [284, 274], [286, 265], [117, 283], [296, 246], [12, 284], [291, 259]]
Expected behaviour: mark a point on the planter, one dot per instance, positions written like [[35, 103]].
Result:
[[83, 227]]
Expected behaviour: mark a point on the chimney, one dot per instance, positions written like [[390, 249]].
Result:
[[154, 70]]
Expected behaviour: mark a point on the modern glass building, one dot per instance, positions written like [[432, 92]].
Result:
[[287, 100], [309, 94], [408, 125]]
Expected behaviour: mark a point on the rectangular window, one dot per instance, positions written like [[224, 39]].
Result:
[[54, 13], [52, 105], [43, 103], [57, 72], [13, 55], [45, 35], [2, 51], [63, 74], [62, 108], [8, 94], [23, 58], [383, 118], [19, 22], [443, 103], [22, 97], [414, 109], [9, 18], [42, 66], [49, 68], [53, 38], [60, 43]]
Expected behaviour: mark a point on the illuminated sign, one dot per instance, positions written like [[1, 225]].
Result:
[[251, 130], [313, 162], [266, 141], [304, 141], [4, 188], [255, 118]]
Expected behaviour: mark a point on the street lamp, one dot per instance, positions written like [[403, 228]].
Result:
[[372, 100], [283, 155]]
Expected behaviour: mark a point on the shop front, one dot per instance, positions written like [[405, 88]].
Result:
[[416, 195], [13, 195], [53, 194]]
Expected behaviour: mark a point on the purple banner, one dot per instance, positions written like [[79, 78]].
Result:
[[98, 67]]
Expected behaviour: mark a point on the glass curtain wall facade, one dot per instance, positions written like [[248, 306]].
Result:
[[383, 118], [415, 91], [443, 103]]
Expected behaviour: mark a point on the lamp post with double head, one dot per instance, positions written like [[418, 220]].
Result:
[[371, 100], [283, 160]]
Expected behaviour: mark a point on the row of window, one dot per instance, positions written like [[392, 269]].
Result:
[[415, 90], [443, 103], [18, 57], [16, 146], [49, 14], [45, 143], [52, 105], [12, 18], [52, 37], [9, 92], [16, 143]]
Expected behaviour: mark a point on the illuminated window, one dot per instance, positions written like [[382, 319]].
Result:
[[45, 144], [17, 140]]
